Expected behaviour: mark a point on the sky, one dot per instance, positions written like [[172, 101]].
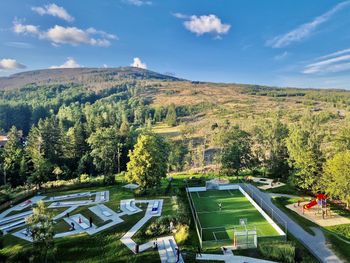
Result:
[[289, 43]]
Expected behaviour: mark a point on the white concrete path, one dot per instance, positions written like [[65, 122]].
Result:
[[22, 205], [126, 239], [229, 257]]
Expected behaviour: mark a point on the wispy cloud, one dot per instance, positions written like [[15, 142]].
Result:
[[70, 63], [18, 44], [334, 62], [10, 64], [205, 24], [304, 30], [74, 36], [53, 10], [138, 2], [281, 56], [137, 63]]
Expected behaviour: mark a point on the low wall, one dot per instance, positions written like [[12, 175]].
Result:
[[262, 212]]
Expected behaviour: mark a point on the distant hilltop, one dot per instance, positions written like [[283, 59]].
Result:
[[84, 76]]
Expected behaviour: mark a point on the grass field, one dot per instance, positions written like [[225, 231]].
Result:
[[219, 224]]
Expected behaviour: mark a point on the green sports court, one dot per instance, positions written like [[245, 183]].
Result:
[[219, 223]]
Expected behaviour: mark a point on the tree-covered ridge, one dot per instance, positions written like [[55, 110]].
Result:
[[66, 130]]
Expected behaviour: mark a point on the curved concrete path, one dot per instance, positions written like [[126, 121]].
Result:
[[316, 244]]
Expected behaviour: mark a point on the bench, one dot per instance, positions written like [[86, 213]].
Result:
[[155, 207]]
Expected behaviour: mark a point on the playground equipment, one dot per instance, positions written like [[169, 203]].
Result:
[[321, 200], [322, 206]]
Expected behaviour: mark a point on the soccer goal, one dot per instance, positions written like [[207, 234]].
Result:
[[243, 237]]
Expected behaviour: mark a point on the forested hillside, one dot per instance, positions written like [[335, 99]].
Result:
[[65, 123]]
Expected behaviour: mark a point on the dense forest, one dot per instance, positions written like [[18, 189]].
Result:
[[72, 130]]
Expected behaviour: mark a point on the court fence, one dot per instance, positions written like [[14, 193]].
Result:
[[221, 239]]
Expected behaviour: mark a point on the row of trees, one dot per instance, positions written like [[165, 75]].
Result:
[[301, 153]]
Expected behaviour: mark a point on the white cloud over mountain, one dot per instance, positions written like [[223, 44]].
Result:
[[10, 64], [67, 35], [335, 62], [138, 63], [70, 63]]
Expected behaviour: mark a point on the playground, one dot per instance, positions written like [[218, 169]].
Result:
[[318, 210]]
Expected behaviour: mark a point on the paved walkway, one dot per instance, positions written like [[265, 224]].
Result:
[[126, 239], [229, 257], [316, 244]]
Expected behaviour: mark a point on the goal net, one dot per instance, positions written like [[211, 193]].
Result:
[[243, 237]]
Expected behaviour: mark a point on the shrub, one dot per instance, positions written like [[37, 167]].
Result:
[[276, 250], [182, 233], [84, 178]]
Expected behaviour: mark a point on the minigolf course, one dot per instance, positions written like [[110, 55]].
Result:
[[13, 220]]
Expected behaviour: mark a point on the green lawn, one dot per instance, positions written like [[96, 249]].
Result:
[[235, 206]]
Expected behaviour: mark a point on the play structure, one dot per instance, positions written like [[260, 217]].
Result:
[[321, 203]]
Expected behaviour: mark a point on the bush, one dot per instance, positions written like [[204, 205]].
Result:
[[84, 178], [280, 251], [182, 233], [162, 225]]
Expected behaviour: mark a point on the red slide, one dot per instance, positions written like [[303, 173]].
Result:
[[311, 204]]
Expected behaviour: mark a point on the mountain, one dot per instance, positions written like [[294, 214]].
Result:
[[84, 76]]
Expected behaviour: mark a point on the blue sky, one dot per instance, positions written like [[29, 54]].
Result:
[[284, 43]]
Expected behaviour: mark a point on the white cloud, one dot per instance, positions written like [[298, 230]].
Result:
[[206, 24], [74, 36], [10, 64], [334, 62], [281, 56], [304, 30], [138, 2], [70, 63], [19, 28], [18, 44], [181, 16], [53, 10], [138, 63]]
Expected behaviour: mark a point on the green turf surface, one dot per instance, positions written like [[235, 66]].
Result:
[[234, 206]]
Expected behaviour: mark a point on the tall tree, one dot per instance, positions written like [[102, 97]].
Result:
[[171, 118], [271, 136], [12, 157], [336, 177], [148, 161], [342, 139], [105, 146], [41, 227], [305, 155], [236, 151]]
